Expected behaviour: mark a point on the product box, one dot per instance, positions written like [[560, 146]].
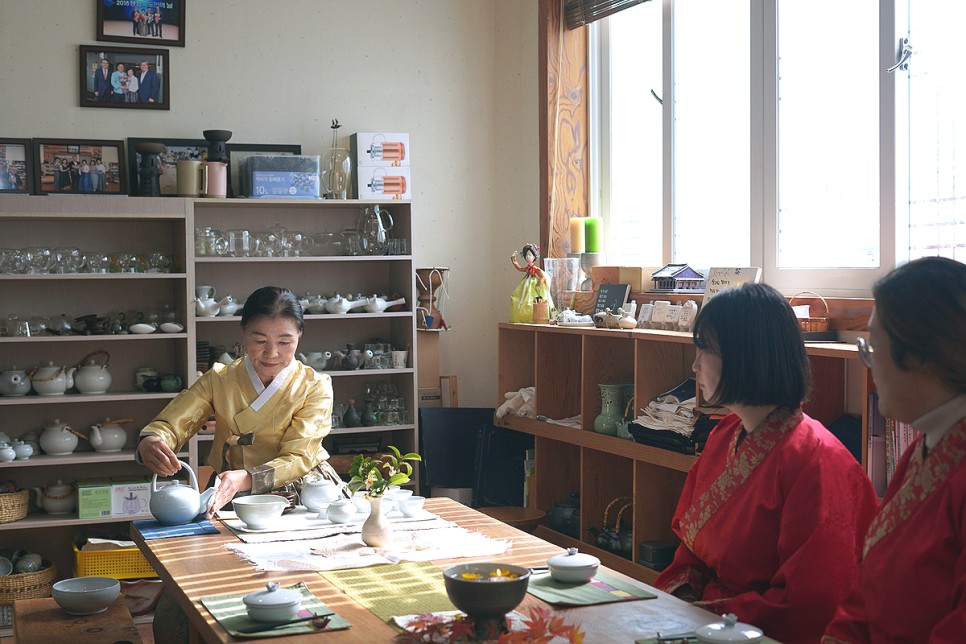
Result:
[[383, 183], [386, 149], [639, 277], [281, 176], [94, 498], [130, 496], [430, 397]]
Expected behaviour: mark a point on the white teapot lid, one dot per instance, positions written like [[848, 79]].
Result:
[[728, 631], [573, 559], [272, 596]]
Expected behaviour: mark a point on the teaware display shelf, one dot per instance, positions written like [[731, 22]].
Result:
[[35, 521], [46, 460], [565, 365]]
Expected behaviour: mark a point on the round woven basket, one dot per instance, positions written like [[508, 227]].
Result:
[[28, 585], [13, 506]]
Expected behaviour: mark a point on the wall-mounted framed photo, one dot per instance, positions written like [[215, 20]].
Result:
[[16, 167], [143, 22], [239, 152], [124, 77], [79, 166], [174, 150]]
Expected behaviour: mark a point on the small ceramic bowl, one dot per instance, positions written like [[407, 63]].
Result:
[[171, 327], [573, 567], [273, 604], [411, 506], [475, 589], [86, 595], [142, 328], [258, 511]]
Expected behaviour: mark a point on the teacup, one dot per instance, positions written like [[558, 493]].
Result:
[[411, 506]]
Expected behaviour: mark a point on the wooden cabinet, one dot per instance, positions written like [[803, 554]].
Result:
[[565, 367]]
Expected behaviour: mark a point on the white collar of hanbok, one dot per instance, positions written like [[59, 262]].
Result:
[[265, 393], [936, 423]]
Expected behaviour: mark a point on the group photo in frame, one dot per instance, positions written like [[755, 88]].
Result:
[[16, 169], [142, 22], [79, 166], [239, 152], [174, 150], [124, 77]]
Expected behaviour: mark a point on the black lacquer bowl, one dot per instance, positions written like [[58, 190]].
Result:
[[472, 589]]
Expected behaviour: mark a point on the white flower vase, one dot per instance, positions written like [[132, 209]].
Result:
[[376, 531]]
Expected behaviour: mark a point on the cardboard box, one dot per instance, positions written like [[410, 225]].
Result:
[[130, 496], [281, 176], [375, 149], [383, 183], [94, 498], [638, 277]]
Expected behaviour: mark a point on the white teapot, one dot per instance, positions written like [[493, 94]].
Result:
[[340, 511], [376, 304], [317, 492], [206, 307], [316, 359], [176, 503], [91, 377], [23, 450], [339, 304], [14, 382], [51, 380], [57, 499], [7, 453], [58, 439], [109, 436], [228, 306]]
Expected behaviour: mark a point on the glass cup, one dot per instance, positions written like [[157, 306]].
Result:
[[239, 242], [98, 262], [37, 259], [158, 263], [397, 246]]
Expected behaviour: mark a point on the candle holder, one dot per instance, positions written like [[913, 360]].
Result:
[[587, 262]]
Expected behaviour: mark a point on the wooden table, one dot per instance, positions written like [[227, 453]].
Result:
[[42, 620], [195, 567]]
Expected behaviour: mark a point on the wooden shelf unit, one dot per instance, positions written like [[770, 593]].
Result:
[[565, 366]]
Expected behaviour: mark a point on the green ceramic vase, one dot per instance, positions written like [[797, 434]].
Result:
[[611, 415]]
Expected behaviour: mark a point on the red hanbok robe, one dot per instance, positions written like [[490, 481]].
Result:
[[912, 580], [772, 530]]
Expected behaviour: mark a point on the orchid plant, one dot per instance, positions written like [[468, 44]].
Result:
[[375, 475]]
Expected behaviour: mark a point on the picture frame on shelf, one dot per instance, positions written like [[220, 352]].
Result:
[[239, 152], [59, 167], [101, 83], [16, 166], [116, 22], [175, 150]]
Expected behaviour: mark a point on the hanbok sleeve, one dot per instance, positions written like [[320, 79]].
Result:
[[300, 446], [686, 568], [184, 415]]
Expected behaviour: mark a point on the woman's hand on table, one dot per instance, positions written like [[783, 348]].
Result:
[[227, 485], [158, 457]]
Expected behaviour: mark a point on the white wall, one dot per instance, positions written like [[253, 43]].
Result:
[[459, 75]]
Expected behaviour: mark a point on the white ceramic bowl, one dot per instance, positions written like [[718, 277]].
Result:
[[258, 511], [142, 328], [86, 595], [273, 604], [412, 505], [171, 327], [573, 567]]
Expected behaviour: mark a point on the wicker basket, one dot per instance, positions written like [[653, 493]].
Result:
[[28, 585], [812, 324], [13, 506], [120, 563]]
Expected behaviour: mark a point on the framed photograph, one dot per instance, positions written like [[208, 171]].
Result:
[[78, 166], [144, 22], [174, 150], [124, 77], [16, 168], [239, 152]]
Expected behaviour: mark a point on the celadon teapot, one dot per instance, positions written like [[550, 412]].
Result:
[[51, 380], [317, 492], [339, 304], [58, 498], [14, 382], [318, 360], [176, 503], [109, 436], [91, 377], [206, 307], [58, 439]]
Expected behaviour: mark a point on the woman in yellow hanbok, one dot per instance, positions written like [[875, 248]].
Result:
[[271, 411]]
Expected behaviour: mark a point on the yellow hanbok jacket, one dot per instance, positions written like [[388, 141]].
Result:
[[277, 443]]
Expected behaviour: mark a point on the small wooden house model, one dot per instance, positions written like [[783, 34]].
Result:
[[677, 277]]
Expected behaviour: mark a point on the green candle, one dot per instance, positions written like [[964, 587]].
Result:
[[593, 226]]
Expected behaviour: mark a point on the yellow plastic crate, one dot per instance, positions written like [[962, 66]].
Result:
[[123, 563]]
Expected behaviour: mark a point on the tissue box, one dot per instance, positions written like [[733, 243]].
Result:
[[383, 183], [281, 176], [372, 149], [93, 498], [130, 496]]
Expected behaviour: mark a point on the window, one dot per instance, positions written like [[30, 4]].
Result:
[[783, 141]]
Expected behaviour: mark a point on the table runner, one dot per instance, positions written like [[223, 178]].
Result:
[[345, 551], [602, 589], [411, 588], [301, 524], [151, 529]]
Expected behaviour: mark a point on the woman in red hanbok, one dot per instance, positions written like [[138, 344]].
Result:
[[773, 512], [912, 578]]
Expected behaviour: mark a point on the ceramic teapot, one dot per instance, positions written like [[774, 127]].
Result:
[[176, 503], [14, 382], [7, 453], [58, 439], [22, 450], [56, 499], [339, 304], [109, 436], [51, 380], [376, 304], [206, 307], [341, 511], [318, 492], [228, 306], [316, 359], [565, 515], [91, 377]]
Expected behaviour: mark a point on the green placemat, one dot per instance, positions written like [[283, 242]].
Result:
[[230, 612], [407, 588], [602, 589]]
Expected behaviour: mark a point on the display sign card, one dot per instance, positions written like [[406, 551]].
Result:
[[720, 278], [611, 296]]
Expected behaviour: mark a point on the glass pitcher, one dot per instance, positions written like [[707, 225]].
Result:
[[374, 226]]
